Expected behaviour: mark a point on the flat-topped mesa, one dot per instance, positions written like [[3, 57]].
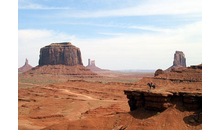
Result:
[[60, 54]]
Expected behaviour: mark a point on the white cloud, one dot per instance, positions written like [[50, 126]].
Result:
[[151, 28], [38, 7], [112, 34], [144, 51], [151, 7], [30, 41], [124, 51]]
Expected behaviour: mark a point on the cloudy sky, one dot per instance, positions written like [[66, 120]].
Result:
[[118, 34]]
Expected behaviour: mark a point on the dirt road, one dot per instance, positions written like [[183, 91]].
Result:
[[80, 96]]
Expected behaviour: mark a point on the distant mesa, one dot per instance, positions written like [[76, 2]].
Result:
[[61, 59], [60, 54], [178, 62], [91, 65], [25, 67]]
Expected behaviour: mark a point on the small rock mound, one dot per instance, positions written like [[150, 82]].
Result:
[[159, 71]]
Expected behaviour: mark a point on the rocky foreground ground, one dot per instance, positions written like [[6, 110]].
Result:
[[79, 104]]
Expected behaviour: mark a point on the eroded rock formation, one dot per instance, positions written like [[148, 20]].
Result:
[[179, 59], [91, 65], [59, 59], [178, 62], [159, 101], [25, 67], [186, 74], [159, 71], [60, 54], [181, 88]]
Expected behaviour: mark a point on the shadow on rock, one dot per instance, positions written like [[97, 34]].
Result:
[[193, 120], [141, 113]]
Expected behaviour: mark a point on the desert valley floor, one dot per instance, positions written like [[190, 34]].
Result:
[[61, 103]]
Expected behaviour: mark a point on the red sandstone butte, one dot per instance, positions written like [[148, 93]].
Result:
[[60, 54], [178, 62]]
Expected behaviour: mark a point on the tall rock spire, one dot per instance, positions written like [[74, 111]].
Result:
[[25, 67], [26, 62], [178, 61]]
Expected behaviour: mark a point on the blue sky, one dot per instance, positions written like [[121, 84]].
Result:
[[118, 34]]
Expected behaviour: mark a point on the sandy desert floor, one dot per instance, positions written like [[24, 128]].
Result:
[[66, 104]]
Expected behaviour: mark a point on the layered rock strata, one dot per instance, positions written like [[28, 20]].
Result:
[[78, 71], [189, 74], [60, 53], [159, 101]]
